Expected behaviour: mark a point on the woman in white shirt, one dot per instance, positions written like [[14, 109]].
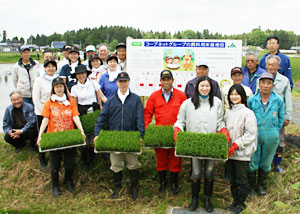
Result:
[[88, 96]]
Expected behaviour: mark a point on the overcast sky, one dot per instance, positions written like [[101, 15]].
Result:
[[25, 17]]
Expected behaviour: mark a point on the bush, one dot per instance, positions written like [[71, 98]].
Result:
[[61, 139], [118, 141], [88, 121], [159, 136], [202, 145]]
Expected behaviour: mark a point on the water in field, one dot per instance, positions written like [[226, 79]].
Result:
[[6, 86]]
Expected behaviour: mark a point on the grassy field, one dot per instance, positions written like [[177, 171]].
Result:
[[27, 189], [14, 57]]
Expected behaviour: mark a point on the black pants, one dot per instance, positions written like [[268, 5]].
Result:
[[67, 154], [237, 171], [31, 135]]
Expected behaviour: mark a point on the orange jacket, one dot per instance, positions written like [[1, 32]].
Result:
[[165, 113]]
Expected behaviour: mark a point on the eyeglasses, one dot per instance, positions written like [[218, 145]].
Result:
[[250, 60]]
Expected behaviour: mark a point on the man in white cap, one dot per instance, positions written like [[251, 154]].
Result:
[[89, 50]]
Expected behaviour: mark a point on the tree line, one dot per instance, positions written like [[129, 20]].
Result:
[[112, 35]]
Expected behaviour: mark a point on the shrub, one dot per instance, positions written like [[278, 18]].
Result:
[[118, 141], [202, 145], [88, 121], [61, 139], [159, 136]]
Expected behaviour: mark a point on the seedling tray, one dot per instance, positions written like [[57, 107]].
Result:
[[88, 121], [119, 142], [61, 140], [203, 146], [159, 137]]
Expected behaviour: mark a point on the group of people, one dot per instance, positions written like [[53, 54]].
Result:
[[251, 113]]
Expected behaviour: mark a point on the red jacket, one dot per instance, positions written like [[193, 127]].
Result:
[[165, 113]]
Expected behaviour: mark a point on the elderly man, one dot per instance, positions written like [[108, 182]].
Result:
[[268, 108], [24, 73], [103, 53], [121, 54], [251, 71], [283, 89], [65, 60], [201, 70], [19, 122], [89, 50], [237, 77], [123, 111], [164, 104], [285, 64]]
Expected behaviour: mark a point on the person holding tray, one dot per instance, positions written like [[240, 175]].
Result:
[[123, 112], [59, 113], [242, 127], [86, 93], [164, 104], [203, 113]]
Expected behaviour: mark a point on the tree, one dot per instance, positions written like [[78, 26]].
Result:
[[113, 44], [189, 34], [22, 41], [4, 36]]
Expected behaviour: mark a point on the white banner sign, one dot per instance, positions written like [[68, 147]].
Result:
[[147, 58]]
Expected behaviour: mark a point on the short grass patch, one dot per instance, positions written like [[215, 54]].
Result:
[[159, 136], [118, 141], [56, 140], [88, 121], [202, 145]]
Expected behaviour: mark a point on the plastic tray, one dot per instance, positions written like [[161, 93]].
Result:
[[137, 153], [187, 156], [60, 148]]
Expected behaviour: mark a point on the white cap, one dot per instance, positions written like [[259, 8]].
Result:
[[90, 48]]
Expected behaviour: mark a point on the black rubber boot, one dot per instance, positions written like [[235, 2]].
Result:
[[252, 183], [174, 183], [163, 181], [69, 180], [118, 185], [234, 190], [208, 189], [134, 179], [43, 161], [55, 182], [84, 158], [91, 158], [195, 195], [261, 186], [242, 192]]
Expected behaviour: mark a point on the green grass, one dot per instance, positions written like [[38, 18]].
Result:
[[88, 121], [14, 57], [61, 139], [159, 136], [120, 141]]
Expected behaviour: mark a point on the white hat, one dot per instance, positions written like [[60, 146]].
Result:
[[90, 48]]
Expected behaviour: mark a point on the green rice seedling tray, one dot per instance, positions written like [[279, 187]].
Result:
[[118, 141], [61, 140], [88, 121], [204, 146], [159, 137]]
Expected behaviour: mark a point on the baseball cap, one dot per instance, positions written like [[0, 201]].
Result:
[[236, 70], [201, 64], [166, 73], [66, 47], [266, 75], [90, 48], [74, 49], [24, 48], [121, 45], [123, 76], [52, 61], [57, 80]]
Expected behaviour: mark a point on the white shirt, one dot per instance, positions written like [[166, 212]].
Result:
[[85, 93], [123, 97]]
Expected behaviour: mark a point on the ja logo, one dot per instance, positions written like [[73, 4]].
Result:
[[232, 45]]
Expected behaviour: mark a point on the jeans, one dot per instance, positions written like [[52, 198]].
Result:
[[198, 165]]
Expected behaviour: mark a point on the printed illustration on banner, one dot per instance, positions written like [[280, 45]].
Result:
[[179, 59]]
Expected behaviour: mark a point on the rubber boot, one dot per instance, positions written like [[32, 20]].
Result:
[[261, 186], [134, 179], [69, 180], [234, 190], [195, 195], [252, 183], [277, 161], [55, 182], [118, 185], [91, 158], [242, 192], [163, 181], [84, 158], [43, 161], [208, 189], [174, 183]]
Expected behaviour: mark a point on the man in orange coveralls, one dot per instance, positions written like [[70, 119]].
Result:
[[165, 104]]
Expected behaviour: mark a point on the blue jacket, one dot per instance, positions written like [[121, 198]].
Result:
[[66, 72], [8, 121], [108, 88], [269, 121], [251, 83], [122, 117], [285, 66]]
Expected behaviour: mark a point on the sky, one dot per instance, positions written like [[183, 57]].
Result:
[[23, 18]]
